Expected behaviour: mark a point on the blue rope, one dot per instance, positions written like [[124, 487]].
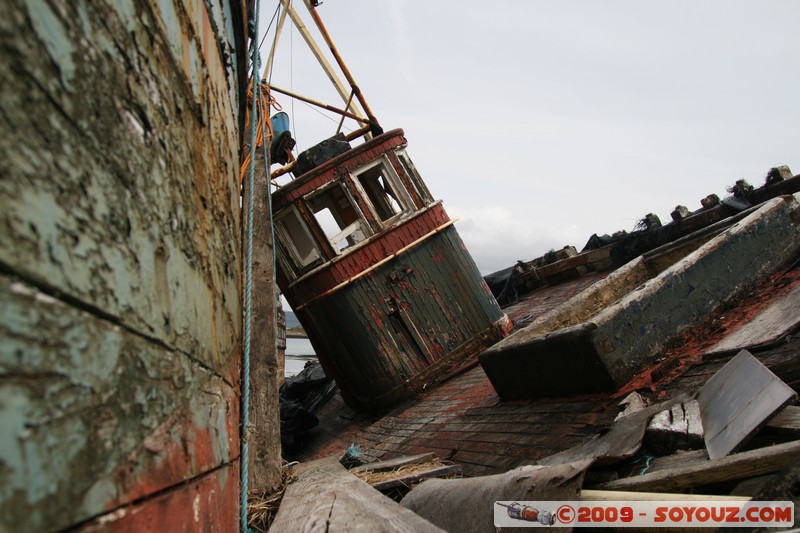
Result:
[[248, 276]]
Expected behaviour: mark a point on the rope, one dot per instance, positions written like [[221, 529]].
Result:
[[265, 102], [248, 276]]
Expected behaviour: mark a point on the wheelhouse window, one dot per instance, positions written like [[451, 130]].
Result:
[[412, 173], [296, 240], [382, 189], [337, 217]]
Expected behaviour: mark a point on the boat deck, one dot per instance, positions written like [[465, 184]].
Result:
[[464, 421]]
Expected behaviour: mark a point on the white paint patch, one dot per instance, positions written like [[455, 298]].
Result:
[[45, 299], [19, 288], [196, 508]]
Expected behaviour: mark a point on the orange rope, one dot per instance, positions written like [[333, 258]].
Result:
[[264, 123]]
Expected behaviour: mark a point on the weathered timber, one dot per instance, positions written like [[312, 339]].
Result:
[[409, 479], [622, 440], [127, 201], [467, 504], [630, 404], [786, 420], [609, 348], [264, 432], [677, 459], [705, 472], [678, 428], [120, 316], [187, 508], [326, 497], [391, 464], [95, 417], [737, 401], [779, 319]]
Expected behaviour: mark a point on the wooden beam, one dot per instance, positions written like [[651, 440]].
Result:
[[326, 497], [405, 481], [265, 473], [391, 464], [738, 466]]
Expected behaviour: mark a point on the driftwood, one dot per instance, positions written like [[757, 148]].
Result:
[[467, 505], [704, 471], [326, 497]]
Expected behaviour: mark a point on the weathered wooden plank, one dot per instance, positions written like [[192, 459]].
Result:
[[786, 420], [621, 441], [773, 323], [407, 480], [325, 497], [705, 472], [207, 503], [142, 221], [678, 459], [738, 400], [678, 428], [391, 464], [264, 473], [94, 416]]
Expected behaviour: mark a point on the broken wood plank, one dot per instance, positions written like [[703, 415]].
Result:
[[704, 472], [786, 420], [738, 400], [406, 480], [773, 323], [630, 404], [392, 464], [680, 458], [326, 497], [678, 428], [621, 441]]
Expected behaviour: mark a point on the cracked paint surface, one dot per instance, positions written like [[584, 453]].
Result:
[[120, 318]]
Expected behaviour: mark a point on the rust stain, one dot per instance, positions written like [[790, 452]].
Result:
[[690, 348]]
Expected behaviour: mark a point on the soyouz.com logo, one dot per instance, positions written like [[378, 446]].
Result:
[[663, 513]]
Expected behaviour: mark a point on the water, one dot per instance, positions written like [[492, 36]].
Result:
[[299, 347], [298, 352]]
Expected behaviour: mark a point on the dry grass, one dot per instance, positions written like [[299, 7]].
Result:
[[377, 477], [261, 510]]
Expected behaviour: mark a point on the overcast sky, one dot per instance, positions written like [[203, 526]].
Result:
[[541, 122]]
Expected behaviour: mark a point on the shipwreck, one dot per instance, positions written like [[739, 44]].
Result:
[[141, 332]]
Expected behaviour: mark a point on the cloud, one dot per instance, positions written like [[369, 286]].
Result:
[[497, 236]]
